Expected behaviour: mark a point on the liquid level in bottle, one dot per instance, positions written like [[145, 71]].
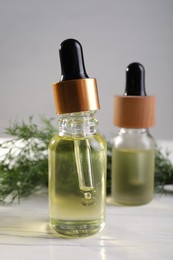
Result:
[[77, 210], [132, 176]]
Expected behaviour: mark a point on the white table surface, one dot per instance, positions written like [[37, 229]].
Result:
[[144, 232]]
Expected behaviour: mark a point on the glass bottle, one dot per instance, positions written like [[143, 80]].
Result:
[[133, 167], [77, 155], [133, 148]]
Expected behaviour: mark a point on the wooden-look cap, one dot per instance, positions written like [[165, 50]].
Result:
[[134, 111], [76, 95]]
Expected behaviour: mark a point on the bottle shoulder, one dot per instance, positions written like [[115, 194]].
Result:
[[95, 140], [134, 139]]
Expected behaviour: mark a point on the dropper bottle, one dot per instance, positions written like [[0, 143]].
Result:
[[77, 154], [133, 147]]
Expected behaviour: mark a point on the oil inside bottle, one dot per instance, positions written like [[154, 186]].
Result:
[[77, 168], [132, 176]]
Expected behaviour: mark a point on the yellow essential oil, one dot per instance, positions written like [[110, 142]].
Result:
[[76, 210], [132, 176]]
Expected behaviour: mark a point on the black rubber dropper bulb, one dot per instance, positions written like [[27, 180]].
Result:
[[72, 61], [135, 80]]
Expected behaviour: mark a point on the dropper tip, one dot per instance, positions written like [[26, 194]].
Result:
[[72, 60], [135, 80]]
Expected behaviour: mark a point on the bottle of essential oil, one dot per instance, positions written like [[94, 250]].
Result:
[[133, 147], [77, 154]]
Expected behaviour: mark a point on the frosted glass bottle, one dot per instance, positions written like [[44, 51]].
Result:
[[133, 158], [133, 148]]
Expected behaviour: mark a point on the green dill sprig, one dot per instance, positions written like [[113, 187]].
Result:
[[24, 163], [163, 169]]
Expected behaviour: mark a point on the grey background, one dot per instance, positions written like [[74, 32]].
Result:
[[113, 33]]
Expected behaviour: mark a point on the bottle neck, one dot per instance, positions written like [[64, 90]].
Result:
[[80, 124]]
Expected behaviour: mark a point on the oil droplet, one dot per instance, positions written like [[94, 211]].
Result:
[[88, 198]]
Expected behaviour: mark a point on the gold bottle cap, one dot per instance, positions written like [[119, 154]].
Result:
[[76, 92], [76, 95], [134, 111]]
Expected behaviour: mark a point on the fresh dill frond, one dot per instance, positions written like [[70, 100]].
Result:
[[24, 160]]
